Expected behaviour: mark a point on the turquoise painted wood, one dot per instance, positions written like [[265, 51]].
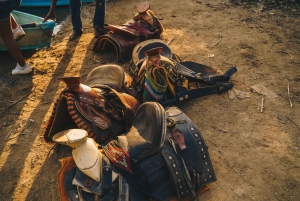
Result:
[[38, 34], [42, 3]]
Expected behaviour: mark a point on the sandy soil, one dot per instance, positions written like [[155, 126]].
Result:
[[255, 151]]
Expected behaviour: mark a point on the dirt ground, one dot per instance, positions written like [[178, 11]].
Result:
[[253, 134]]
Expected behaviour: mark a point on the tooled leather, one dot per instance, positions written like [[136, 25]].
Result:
[[110, 127], [100, 119]]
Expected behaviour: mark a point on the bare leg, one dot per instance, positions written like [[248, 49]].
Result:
[[10, 43], [14, 23]]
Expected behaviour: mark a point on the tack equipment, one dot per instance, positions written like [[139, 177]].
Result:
[[162, 157], [185, 80], [144, 26], [102, 107]]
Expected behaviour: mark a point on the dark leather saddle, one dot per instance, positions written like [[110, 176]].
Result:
[[188, 80], [162, 157], [101, 107], [169, 151], [125, 37]]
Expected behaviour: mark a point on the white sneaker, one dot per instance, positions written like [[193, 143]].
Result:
[[18, 33], [21, 70]]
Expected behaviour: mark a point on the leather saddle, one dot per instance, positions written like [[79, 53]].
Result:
[[188, 80], [125, 37], [177, 159], [101, 107], [162, 157]]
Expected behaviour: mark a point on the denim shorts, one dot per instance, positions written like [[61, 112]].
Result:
[[6, 7]]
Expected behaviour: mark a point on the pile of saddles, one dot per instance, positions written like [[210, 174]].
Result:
[[129, 139]]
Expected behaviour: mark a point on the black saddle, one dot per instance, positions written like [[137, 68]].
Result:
[[169, 151], [162, 157], [202, 81]]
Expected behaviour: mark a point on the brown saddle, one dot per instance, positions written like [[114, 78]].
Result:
[[103, 110], [125, 37]]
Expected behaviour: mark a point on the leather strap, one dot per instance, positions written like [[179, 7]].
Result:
[[176, 133], [100, 119], [183, 95], [196, 156], [181, 69]]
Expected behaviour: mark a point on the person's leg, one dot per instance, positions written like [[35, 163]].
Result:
[[75, 11], [13, 47], [10, 43], [99, 16]]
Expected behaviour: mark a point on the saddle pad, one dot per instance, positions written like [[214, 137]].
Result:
[[154, 89]]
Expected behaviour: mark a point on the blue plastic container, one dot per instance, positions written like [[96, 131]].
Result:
[[38, 34], [41, 3]]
